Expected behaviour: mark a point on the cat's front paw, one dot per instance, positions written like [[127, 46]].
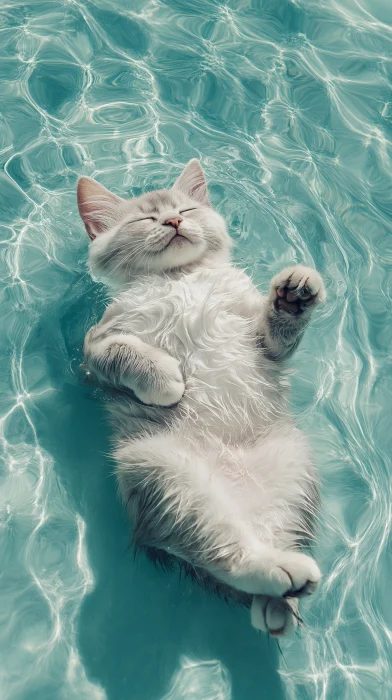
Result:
[[166, 387], [297, 289]]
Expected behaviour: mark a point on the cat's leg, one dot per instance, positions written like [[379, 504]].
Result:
[[181, 502], [294, 293], [124, 360], [277, 616]]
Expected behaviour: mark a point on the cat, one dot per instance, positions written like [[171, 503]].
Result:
[[213, 471]]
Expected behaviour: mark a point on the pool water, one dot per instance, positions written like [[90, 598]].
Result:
[[289, 107]]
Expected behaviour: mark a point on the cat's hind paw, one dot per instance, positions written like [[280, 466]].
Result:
[[276, 573], [293, 575], [277, 616], [297, 289]]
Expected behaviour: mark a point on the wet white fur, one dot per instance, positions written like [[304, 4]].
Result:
[[235, 473]]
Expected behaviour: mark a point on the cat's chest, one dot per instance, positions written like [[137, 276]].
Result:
[[209, 323], [199, 314]]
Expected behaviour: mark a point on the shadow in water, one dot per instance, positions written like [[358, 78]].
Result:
[[138, 622]]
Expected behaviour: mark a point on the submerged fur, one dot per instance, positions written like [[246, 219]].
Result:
[[223, 481]]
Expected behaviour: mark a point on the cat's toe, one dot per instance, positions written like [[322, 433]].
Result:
[[275, 616], [303, 572], [296, 289], [281, 617], [305, 283], [165, 396], [166, 389], [173, 393]]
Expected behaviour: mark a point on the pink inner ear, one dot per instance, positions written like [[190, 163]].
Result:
[[86, 212], [199, 190], [97, 206], [192, 181]]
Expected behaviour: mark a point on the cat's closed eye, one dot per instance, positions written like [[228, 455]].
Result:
[[185, 210], [144, 218]]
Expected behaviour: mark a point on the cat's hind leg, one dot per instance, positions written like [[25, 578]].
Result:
[[276, 616], [181, 502], [294, 293]]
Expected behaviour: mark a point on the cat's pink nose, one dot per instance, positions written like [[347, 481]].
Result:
[[175, 221]]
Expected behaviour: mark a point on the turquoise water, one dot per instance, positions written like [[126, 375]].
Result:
[[289, 106]]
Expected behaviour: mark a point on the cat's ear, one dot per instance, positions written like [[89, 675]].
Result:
[[98, 207], [193, 182]]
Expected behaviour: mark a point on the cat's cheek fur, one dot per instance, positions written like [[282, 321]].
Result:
[[100, 263]]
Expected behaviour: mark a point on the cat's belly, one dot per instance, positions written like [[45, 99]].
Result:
[[232, 389]]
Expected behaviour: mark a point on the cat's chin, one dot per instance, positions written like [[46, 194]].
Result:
[[181, 251], [179, 239]]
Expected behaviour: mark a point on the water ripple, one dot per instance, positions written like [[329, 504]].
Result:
[[289, 106]]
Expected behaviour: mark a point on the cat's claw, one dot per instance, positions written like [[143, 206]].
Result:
[[297, 289]]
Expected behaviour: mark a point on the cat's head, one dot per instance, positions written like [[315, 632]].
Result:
[[157, 232]]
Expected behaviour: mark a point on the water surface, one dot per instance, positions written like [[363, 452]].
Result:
[[289, 107]]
